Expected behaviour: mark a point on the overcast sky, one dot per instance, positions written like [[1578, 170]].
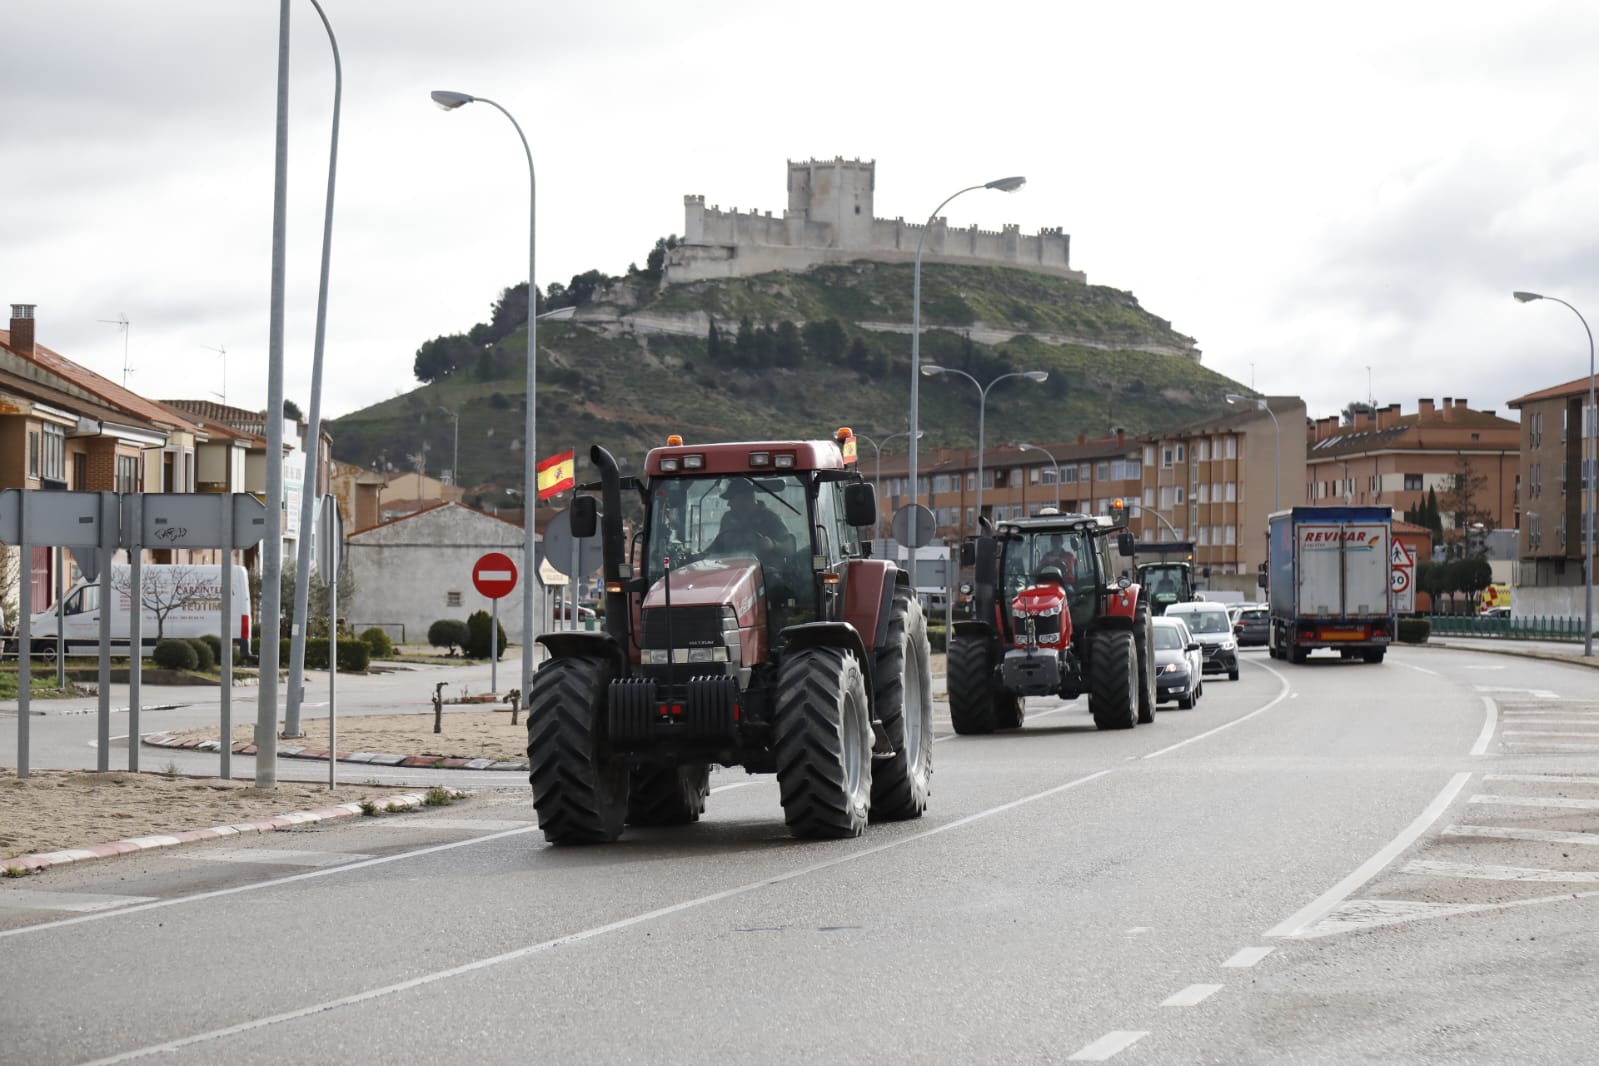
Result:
[[1308, 191]]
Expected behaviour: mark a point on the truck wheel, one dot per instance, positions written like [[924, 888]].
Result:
[[971, 696], [823, 744], [1297, 654], [668, 795], [1113, 679], [902, 681], [1374, 655], [1144, 640], [579, 788]]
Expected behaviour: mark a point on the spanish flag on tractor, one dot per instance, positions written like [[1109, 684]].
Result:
[[556, 474]]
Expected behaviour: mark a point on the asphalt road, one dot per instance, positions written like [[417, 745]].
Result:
[[1326, 864]]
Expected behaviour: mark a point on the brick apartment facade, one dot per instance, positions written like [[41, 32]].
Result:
[[1553, 442]]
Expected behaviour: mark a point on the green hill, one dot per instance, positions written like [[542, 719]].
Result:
[[797, 355]]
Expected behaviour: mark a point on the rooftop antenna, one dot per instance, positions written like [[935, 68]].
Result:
[[1371, 397], [121, 322], [223, 352]]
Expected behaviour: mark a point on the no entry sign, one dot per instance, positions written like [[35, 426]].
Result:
[[494, 575]]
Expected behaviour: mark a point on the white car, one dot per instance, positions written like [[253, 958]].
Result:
[[1211, 627]]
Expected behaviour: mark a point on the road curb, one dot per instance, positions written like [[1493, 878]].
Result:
[[425, 762], [38, 862], [1519, 653]]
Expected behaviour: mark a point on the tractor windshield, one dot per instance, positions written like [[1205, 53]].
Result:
[[728, 517], [1164, 581], [1031, 558]]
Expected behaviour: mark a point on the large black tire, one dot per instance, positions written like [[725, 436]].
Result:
[[823, 744], [668, 795], [902, 683], [971, 693], [1297, 654], [1144, 642], [1010, 710], [580, 789], [1374, 655], [1113, 679]]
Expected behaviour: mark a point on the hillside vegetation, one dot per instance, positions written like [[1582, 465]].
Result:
[[796, 355]]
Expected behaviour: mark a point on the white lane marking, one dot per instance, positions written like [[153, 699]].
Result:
[[1031, 716], [1541, 778], [272, 856], [1549, 733], [1108, 1045], [28, 899], [1549, 745], [546, 946], [1318, 908], [1366, 913], [1248, 957], [1137, 930], [1519, 719], [1491, 716], [1565, 802], [1537, 836], [1535, 693], [1484, 668], [1192, 996], [1282, 693], [434, 821], [1474, 872], [1430, 673]]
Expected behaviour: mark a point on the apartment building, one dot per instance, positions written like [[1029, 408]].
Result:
[[1389, 458], [1556, 427]]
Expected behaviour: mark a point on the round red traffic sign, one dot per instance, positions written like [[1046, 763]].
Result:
[[494, 575]]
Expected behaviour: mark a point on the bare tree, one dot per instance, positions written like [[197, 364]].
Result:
[[1467, 504], [166, 589]]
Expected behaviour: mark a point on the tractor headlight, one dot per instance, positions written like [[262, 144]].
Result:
[[653, 656], [1045, 612]]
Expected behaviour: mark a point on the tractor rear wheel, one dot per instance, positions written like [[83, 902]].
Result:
[[579, 787], [668, 795], [1113, 679], [971, 695], [1144, 641], [823, 744], [902, 680]]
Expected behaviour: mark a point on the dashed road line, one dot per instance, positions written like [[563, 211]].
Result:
[[1548, 733], [1108, 1045], [1191, 996], [1550, 745], [1500, 873], [1541, 778], [1566, 802], [1359, 914], [1247, 957]]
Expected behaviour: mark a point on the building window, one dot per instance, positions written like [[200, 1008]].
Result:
[[1149, 497], [1204, 451], [53, 454], [1149, 455], [33, 454], [1412, 482], [1204, 493], [1180, 500], [1232, 493], [452, 599], [127, 473], [1181, 454], [1165, 497], [1082, 471], [1102, 471], [1165, 458], [1231, 533], [1232, 447]]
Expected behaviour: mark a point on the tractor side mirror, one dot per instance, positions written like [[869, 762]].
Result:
[[1125, 544], [968, 553], [585, 516], [860, 504]]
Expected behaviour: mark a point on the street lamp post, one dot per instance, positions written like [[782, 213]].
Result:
[[455, 446], [877, 451], [1003, 185], [1590, 471], [931, 370], [1046, 451], [449, 101], [1277, 445]]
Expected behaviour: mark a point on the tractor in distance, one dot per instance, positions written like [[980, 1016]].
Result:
[[744, 626], [1052, 616], [1169, 578]]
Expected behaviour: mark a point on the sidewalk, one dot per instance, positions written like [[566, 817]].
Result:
[[1548, 650]]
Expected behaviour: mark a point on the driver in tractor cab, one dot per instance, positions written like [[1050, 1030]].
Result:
[[748, 524], [1057, 557]]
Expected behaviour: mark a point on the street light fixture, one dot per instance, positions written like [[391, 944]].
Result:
[[1260, 404], [932, 370], [449, 101], [1003, 185], [1590, 472], [877, 450], [1046, 451]]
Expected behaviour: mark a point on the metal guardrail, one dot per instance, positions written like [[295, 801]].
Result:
[[1534, 627]]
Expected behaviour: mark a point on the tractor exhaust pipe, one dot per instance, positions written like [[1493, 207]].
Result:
[[613, 544]]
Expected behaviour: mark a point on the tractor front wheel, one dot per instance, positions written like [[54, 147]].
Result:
[[823, 744], [902, 681], [971, 694], [1113, 679], [580, 788], [1144, 642]]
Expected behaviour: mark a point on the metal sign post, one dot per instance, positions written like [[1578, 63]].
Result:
[[329, 559]]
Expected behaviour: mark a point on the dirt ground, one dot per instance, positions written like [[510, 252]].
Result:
[[53, 809]]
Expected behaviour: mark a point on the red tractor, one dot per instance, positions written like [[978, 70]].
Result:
[[1050, 619], [745, 625]]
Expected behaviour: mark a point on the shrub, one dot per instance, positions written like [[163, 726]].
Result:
[[204, 659], [1414, 630], [214, 643], [378, 643], [477, 636], [173, 654], [354, 656], [449, 633]]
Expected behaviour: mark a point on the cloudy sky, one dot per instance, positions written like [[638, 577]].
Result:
[[1308, 190]]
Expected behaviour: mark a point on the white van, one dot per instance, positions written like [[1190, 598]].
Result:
[[177, 600]]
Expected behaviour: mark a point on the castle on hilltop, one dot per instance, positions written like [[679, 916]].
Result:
[[829, 220]]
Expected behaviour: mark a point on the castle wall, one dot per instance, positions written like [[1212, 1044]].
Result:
[[830, 219]]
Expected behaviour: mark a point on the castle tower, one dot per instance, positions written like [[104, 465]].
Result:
[[837, 193]]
